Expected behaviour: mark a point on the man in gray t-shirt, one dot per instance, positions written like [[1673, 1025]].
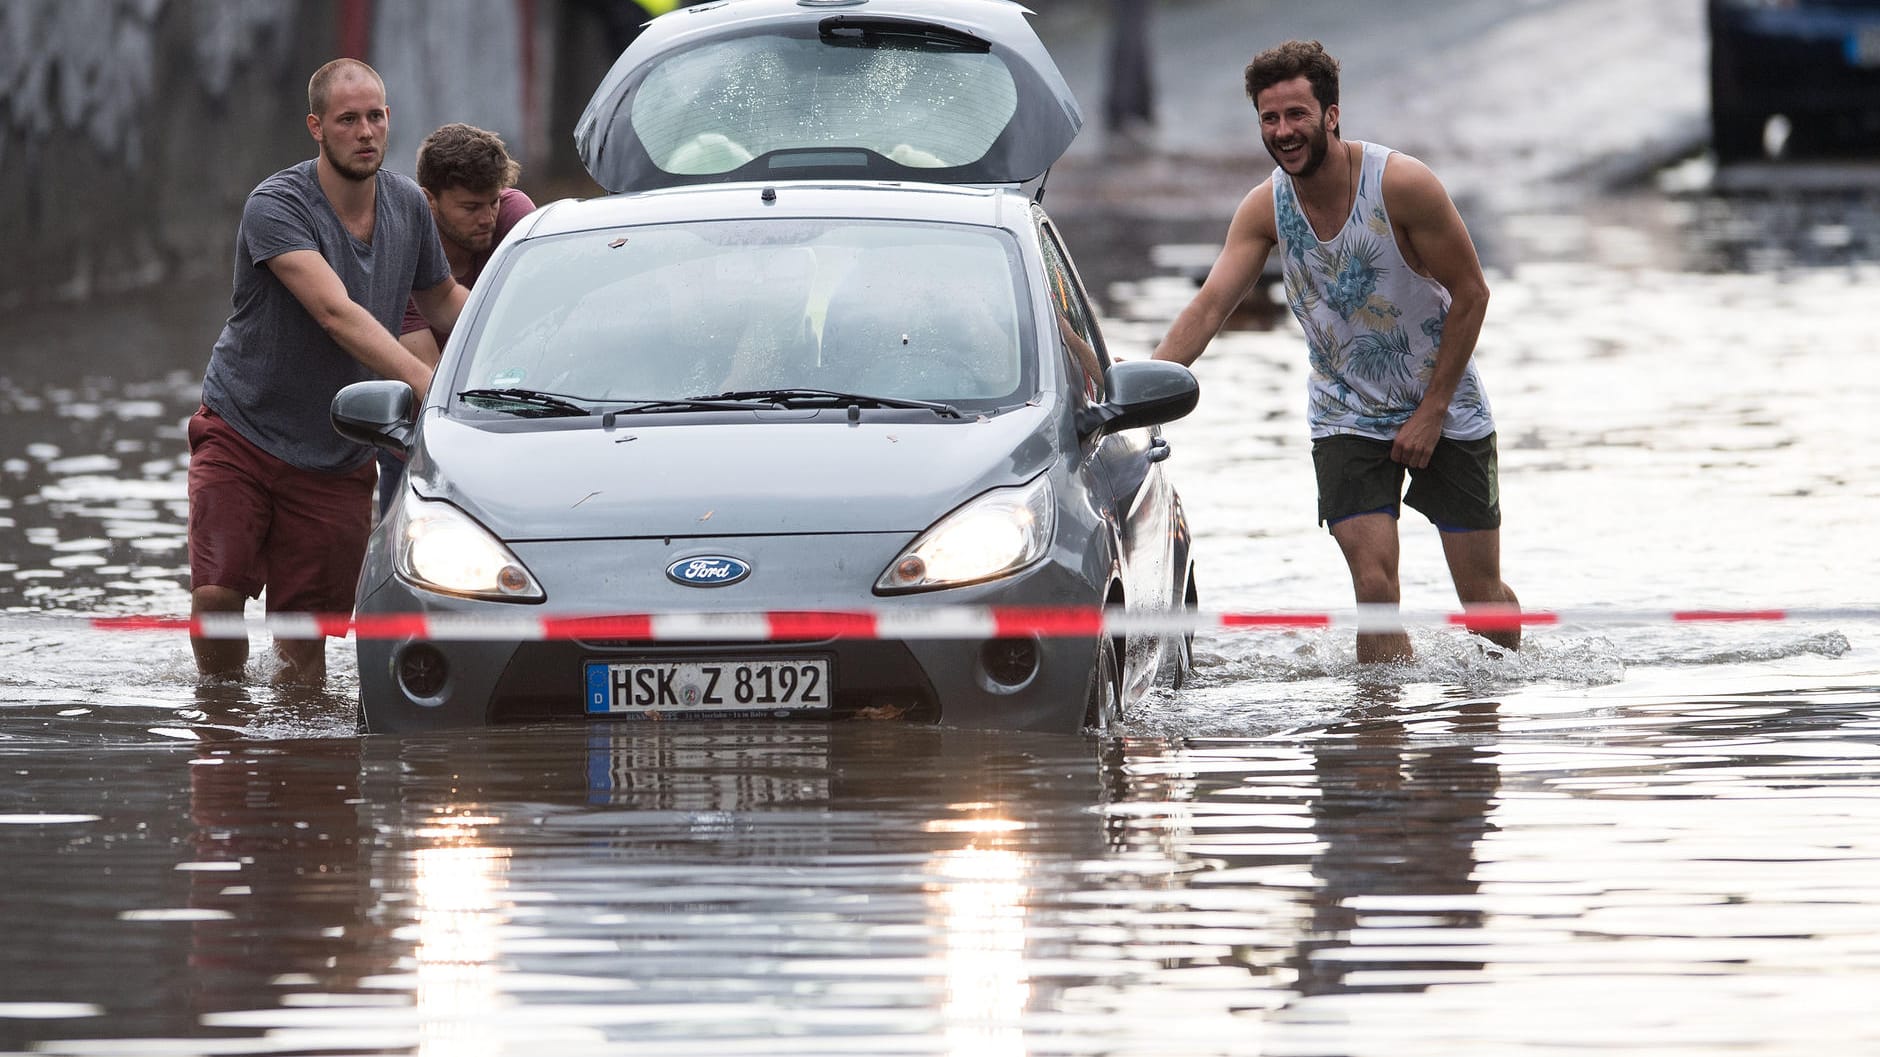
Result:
[[327, 254]]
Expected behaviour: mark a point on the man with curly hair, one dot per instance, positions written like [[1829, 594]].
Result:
[[1382, 276], [468, 180]]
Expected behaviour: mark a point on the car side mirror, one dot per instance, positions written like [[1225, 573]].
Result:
[[1141, 393], [378, 413]]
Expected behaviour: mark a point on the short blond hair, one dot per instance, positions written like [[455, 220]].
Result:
[[320, 85]]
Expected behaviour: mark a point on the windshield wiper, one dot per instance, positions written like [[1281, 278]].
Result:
[[800, 396], [873, 30], [532, 404], [689, 403], [732, 402]]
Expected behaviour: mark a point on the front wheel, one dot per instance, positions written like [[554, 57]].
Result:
[[1185, 652], [1103, 708]]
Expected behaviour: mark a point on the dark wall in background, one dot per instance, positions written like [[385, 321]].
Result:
[[126, 150], [131, 131], [129, 142]]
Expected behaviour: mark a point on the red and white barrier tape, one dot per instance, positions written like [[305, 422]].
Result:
[[931, 622]]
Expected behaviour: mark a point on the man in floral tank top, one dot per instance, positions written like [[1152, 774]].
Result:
[[1384, 280]]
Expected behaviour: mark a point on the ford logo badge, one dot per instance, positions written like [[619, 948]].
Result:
[[707, 570]]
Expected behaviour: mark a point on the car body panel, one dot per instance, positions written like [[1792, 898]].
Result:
[[817, 505], [700, 119], [807, 199], [725, 473], [937, 679], [1144, 510], [809, 505]]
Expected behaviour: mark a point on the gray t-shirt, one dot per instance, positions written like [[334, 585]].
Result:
[[274, 371]]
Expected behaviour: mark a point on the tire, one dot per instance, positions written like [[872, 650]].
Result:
[[1103, 707], [1185, 653]]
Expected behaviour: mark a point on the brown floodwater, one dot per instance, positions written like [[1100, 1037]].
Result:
[[1638, 838]]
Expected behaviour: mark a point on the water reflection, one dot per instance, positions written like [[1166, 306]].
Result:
[[1344, 858], [706, 771], [95, 492], [1463, 871], [669, 887], [981, 896], [279, 861], [1398, 826], [459, 889]]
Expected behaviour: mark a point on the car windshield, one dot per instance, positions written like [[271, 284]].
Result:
[[922, 104], [929, 312]]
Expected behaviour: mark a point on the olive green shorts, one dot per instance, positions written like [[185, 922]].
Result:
[[1457, 491]]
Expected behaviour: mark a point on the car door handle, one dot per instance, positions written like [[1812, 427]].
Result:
[[1159, 449]]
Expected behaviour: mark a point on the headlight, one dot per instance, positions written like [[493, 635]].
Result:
[[443, 549], [996, 534]]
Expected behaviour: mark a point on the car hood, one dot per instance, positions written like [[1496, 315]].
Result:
[[937, 91], [726, 478]]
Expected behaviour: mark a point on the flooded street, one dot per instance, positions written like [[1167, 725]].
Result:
[[1635, 837]]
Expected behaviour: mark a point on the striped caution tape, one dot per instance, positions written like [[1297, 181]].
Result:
[[932, 622]]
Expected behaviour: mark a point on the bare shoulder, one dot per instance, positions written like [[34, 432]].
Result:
[[1411, 188], [1254, 217]]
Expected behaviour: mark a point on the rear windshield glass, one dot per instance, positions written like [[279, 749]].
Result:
[[921, 311], [714, 108]]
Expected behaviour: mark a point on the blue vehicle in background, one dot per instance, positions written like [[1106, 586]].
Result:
[[1815, 63]]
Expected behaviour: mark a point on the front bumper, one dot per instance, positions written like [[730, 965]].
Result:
[[966, 683]]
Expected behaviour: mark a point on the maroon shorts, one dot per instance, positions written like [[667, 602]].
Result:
[[255, 521]]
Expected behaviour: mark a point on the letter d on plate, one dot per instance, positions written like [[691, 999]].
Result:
[[707, 570]]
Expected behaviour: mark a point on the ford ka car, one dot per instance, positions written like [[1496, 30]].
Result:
[[819, 349]]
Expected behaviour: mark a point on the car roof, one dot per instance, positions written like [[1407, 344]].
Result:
[[993, 206]]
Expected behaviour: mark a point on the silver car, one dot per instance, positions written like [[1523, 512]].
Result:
[[820, 349]]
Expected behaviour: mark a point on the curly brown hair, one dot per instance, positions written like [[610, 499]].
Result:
[[460, 155], [1295, 58]]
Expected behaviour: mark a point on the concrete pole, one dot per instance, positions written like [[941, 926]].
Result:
[[1129, 106]]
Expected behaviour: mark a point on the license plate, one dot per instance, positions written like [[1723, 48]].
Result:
[[708, 688]]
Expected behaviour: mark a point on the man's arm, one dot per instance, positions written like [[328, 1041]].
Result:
[[1439, 246], [319, 290], [1250, 238], [422, 344], [441, 304]]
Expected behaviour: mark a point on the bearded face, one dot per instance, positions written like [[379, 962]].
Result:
[[353, 130], [358, 165], [466, 218], [1293, 127], [1301, 149]]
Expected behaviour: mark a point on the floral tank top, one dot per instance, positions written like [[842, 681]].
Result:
[[1372, 324]]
